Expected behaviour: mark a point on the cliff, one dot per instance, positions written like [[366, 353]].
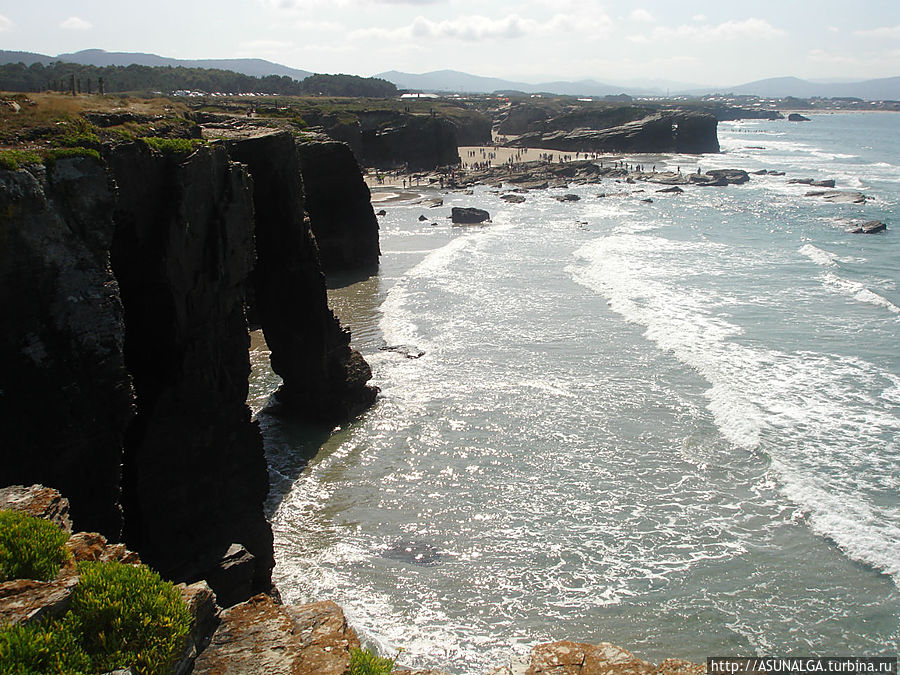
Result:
[[339, 206], [65, 395], [683, 132], [194, 473], [124, 353]]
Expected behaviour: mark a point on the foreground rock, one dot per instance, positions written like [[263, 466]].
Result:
[[573, 658], [468, 216], [37, 501], [259, 637]]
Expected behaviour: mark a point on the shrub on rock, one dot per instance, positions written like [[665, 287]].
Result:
[[30, 548], [128, 616]]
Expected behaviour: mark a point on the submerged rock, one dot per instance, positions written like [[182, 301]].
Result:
[[870, 227], [840, 197]]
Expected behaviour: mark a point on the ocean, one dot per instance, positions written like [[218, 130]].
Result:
[[670, 425]]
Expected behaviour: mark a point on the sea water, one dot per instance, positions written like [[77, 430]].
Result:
[[671, 425]]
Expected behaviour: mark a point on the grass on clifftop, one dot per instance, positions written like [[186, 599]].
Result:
[[30, 548]]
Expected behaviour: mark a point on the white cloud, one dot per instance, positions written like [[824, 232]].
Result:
[[318, 26], [834, 29], [753, 29], [299, 5], [641, 15], [821, 56], [699, 17], [5, 24], [473, 28], [253, 48], [75, 23], [886, 32]]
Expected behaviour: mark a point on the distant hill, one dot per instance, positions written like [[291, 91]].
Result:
[[887, 88], [781, 87], [464, 83], [101, 58]]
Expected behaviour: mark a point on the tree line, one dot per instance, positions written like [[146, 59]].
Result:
[[61, 76]]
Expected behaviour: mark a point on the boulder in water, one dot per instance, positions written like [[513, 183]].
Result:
[[468, 215]]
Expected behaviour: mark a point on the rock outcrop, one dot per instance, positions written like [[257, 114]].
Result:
[[339, 206], [324, 380], [195, 476], [260, 637], [683, 132], [65, 395], [420, 143], [574, 658]]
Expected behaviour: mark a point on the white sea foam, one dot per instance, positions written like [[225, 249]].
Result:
[[819, 256], [859, 291], [809, 412]]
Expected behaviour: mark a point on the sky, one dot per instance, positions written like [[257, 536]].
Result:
[[642, 42]]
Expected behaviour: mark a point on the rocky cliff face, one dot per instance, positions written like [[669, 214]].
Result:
[[124, 347], [65, 396], [324, 379], [194, 471], [421, 143], [684, 132], [339, 206]]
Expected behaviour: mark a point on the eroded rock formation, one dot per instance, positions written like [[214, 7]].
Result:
[[324, 379], [339, 206]]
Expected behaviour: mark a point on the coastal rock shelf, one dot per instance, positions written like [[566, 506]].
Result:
[[124, 356], [681, 132]]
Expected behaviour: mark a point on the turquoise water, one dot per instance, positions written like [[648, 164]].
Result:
[[669, 425]]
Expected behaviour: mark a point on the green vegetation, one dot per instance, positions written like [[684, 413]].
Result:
[[121, 615], [34, 649], [11, 160], [126, 615], [366, 662], [348, 85], [30, 548], [56, 154], [60, 76], [172, 146]]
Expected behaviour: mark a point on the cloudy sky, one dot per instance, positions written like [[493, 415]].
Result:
[[711, 43]]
